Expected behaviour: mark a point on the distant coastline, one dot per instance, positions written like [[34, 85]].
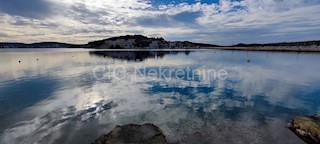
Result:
[[272, 48], [143, 42]]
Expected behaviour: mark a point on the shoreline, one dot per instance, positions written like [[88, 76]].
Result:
[[307, 49], [272, 48]]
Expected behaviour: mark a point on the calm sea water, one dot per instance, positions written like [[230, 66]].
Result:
[[74, 96]]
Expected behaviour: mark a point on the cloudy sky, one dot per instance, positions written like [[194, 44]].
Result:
[[208, 21]]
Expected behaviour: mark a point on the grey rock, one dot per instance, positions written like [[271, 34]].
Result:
[[132, 133], [307, 128]]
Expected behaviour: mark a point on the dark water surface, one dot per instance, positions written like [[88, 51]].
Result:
[[74, 96]]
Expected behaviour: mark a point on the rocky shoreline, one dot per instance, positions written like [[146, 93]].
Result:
[[305, 127]]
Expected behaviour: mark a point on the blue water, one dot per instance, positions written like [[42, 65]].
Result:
[[74, 96]]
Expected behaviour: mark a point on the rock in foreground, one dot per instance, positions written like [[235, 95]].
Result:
[[307, 128], [131, 133]]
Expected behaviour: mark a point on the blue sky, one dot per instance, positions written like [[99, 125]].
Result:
[[208, 21]]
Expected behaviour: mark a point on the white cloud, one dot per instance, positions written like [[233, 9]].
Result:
[[226, 22]]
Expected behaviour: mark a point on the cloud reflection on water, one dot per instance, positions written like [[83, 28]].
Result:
[[252, 105]]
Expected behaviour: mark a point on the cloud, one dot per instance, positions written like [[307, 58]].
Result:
[[220, 22], [3, 35], [85, 15], [29, 8], [165, 20]]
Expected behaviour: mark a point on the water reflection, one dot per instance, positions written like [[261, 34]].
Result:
[[58, 100], [136, 55]]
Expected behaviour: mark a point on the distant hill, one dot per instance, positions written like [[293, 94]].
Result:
[[143, 42], [140, 42], [34, 45], [283, 44]]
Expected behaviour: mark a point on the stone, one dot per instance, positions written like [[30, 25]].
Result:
[[307, 128], [132, 133]]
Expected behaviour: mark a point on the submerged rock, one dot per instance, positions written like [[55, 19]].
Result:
[[307, 128], [131, 133]]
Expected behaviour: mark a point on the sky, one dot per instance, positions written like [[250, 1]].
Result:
[[221, 22]]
